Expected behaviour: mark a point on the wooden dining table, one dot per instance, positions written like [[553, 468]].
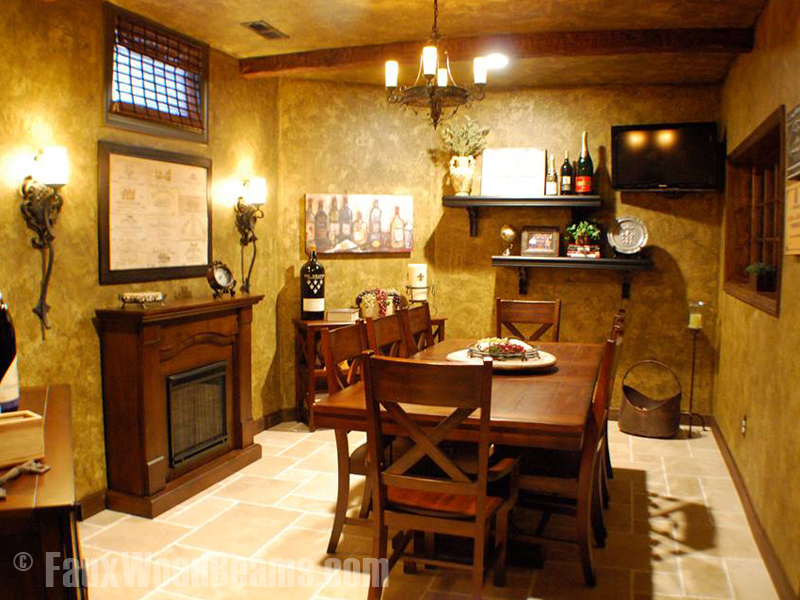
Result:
[[542, 408]]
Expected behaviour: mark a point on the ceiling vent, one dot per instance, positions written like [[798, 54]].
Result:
[[266, 30]]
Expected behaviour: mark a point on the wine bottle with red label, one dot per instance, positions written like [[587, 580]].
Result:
[[312, 289], [585, 171], [9, 377], [567, 185]]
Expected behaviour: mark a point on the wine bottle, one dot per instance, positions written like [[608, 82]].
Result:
[[551, 181], [310, 223], [345, 222], [566, 176], [9, 377], [321, 228], [397, 227], [333, 223], [584, 176], [312, 289], [375, 226]]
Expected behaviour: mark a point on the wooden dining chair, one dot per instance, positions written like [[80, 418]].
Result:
[[617, 330], [545, 313], [385, 335], [560, 482], [417, 328], [343, 351], [446, 499]]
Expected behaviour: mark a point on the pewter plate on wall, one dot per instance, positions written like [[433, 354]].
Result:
[[628, 235]]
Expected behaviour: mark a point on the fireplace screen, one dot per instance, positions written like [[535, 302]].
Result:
[[196, 404]]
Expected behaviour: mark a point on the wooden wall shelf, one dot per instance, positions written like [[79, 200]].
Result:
[[523, 263], [474, 203]]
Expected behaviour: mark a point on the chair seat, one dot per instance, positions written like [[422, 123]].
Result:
[[434, 504]]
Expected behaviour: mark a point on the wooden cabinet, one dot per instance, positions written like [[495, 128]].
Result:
[[144, 351], [40, 515]]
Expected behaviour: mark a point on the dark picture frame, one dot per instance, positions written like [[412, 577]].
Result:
[[109, 276], [540, 241]]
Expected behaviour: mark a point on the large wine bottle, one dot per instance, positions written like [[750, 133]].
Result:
[[567, 185], [585, 174], [312, 289], [9, 377], [551, 181]]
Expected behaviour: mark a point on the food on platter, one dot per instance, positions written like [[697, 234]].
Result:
[[503, 349]]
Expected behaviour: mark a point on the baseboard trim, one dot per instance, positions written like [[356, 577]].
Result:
[[92, 504], [779, 578], [282, 415]]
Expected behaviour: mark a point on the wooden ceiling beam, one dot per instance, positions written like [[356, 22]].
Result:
[[518, 46]]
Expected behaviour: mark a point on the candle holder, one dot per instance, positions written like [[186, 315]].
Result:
[[698, 313]]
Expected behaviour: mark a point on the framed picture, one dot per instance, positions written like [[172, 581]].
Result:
[[513, 172], [539, 241], [793, 143], [154, 214], [359, 223]]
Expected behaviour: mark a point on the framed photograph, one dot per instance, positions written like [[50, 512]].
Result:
[[359, 223], [791, 231], [540, 241], [513, 172], [154, 214], [793, 144]]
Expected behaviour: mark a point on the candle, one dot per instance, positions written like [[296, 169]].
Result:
[[418, 280], [441, 79], [695, 321], [392, 71], [479, 69], [430, 61]]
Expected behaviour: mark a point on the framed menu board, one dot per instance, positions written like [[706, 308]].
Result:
[[154, 214]]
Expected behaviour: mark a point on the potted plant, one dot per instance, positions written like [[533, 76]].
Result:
[[762, 277], [464, 141], [583, 238]]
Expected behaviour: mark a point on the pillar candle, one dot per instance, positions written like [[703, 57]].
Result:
[[695, 321], [418, 278]]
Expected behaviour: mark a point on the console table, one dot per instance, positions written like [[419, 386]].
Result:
[[176, 399], [40, 513]]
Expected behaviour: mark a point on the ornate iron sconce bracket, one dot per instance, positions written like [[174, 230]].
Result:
[[246, 217], [40, 208]]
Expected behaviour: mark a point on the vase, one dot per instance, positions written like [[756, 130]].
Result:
[[462, 169]]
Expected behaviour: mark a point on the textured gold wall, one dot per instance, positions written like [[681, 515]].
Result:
[[51, 83], [337, 138], [759, 366]]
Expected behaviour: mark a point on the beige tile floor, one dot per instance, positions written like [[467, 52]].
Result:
[[676, 530]]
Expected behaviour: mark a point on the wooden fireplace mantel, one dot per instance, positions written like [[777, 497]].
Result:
[[140, 349]]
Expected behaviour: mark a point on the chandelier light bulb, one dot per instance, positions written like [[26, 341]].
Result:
[[441, 78], [430, 61], [479, 70], [392, 73]]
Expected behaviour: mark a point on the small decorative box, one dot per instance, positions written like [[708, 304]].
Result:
[[21, 437], [141, 298]]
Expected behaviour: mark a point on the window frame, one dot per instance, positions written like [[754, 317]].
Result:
[[745, 166], [142, 124]]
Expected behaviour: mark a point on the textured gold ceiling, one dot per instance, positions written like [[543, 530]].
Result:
[[316, 24]]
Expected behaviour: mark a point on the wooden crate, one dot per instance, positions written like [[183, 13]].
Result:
[[21, 437]]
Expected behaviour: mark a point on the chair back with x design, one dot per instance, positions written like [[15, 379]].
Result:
[[512, 313], [343, 352], [385, 335]]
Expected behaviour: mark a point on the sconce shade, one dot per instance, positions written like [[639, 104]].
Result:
[[53, 166], [255, 191], [479, 70], [392, 72]]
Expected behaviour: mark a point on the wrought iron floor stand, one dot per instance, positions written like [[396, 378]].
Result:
[[691, 412]]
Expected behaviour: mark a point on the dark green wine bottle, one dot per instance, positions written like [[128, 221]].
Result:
[[585, 174]]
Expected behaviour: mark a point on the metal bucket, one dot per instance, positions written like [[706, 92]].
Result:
[[645, 416]]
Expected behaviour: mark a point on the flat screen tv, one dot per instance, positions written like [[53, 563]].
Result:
[[666, 157]]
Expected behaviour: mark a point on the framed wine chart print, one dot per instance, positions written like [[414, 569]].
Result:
[[359, 223], [154, 214]]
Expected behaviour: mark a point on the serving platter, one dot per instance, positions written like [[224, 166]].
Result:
[[543, 360]]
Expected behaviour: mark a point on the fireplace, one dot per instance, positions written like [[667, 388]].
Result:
[[196, 405], [176, 400]]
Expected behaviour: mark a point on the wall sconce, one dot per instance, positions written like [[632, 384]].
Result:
[[40, 207], [248, 211]]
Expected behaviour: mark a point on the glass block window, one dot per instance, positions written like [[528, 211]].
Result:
[[156, 75]]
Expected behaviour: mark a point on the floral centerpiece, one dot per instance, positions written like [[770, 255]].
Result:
[[378, 302], [464, 141], [583, 238]]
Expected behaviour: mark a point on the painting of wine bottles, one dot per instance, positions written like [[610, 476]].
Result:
[[359, 223]]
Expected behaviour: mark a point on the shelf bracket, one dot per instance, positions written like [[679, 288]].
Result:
[[626, 285], [472, 211], [523, 281]]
